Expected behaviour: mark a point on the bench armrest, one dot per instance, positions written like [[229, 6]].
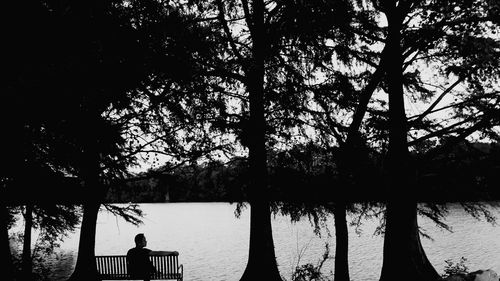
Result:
[[180, 269]]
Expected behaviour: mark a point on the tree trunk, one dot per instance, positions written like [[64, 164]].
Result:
[[261, 257], [27, 259], [347, 160], [404, 257], [342, 243], [346, 168], [86, 268], [7, 267]]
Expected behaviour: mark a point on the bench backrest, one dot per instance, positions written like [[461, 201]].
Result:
[[115, 267]]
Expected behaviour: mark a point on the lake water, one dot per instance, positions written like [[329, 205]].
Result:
[[213, 244]]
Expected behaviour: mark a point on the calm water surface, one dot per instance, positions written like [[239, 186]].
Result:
[[213, 244]]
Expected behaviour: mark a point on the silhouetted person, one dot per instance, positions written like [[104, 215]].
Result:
[[139, 265]]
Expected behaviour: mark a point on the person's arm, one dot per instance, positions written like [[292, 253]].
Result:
[[163, 253]]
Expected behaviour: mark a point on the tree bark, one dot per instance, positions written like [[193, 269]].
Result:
[[404, 257], [27, 259], [346, 168], [86, 268], [342, 243], [261, 257]]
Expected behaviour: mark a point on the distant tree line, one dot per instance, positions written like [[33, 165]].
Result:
[[213, 181], [471, 172]]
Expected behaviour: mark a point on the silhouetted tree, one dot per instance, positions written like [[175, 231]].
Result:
[[415, 31], [82, 66], [27, 266], [427, 30], [25, 165], [265, 53], [53, 222], [162, 110], [258, 44]]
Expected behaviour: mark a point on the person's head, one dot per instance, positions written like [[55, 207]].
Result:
[[140, 240]]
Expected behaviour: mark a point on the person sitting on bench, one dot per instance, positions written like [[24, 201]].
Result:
[[139, 265]]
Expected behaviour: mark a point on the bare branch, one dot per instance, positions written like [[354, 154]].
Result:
[[435, 103]]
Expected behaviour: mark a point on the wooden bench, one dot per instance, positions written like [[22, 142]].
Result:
[[115, 267]]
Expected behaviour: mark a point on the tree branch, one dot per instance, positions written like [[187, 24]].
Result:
[[366, 95], [435, 103], [456, 104], [444, 130], [225, 26]]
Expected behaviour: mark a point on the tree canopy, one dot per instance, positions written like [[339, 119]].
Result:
[[245, 99]]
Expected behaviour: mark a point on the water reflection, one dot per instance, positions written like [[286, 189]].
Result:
[[213, 244]]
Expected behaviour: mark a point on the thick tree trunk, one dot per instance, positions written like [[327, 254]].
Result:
[[404, 257], [342, 243], [7, 267], [27, 259], [261, 258], [86, 268]]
